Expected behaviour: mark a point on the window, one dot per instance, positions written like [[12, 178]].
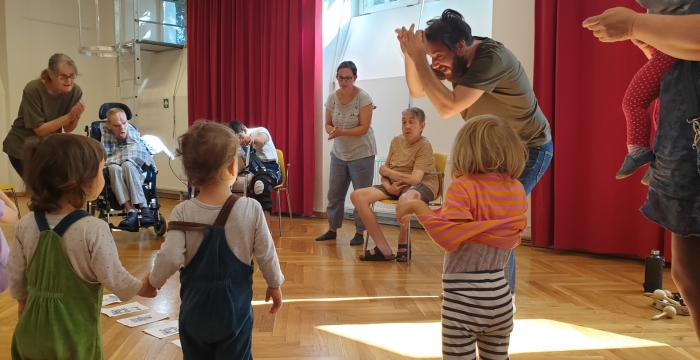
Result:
[[174, 21], [370, 6]]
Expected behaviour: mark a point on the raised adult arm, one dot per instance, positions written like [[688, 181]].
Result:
[[677, 36]]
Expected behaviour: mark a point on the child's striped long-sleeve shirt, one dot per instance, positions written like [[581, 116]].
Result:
[[483, 209]]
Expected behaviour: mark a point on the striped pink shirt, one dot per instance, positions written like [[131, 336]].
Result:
[[479, 208]]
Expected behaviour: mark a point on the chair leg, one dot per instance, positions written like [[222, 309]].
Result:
[[364, 250], [408, 243], [14, 196], [279, 211], [289, 206]]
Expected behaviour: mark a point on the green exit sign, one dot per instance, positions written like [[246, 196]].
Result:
[[166, 103]]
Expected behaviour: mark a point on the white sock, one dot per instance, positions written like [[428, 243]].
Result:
[[132, 210]]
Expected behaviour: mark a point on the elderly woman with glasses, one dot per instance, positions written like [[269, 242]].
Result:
[[348, 124], [50, 104]]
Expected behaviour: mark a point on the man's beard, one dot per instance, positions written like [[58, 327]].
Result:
[[459, 68]]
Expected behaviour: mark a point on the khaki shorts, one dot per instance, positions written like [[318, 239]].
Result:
[[425, 193]]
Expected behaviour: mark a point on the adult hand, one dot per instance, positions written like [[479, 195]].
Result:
[[612, 25], [415, 43], [245, 139], [396, 188], [385, 171], [402, 35], [77, 109], [276, 295], [641, 44], [335, 133]]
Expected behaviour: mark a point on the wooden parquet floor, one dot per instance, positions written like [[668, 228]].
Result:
[[569, 305]]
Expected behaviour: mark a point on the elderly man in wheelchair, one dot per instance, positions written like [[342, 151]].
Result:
[[128, 157]]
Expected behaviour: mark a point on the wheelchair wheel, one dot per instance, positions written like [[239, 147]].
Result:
[[161, 227]]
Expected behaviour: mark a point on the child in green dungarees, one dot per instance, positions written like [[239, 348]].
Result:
[[62, 256]]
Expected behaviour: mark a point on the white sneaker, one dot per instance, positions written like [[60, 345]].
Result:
[[513, 303]]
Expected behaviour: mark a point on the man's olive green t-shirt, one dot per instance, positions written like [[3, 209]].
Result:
[[507, 92]]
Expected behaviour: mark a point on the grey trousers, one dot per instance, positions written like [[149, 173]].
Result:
[[361, 173], [126, 183]]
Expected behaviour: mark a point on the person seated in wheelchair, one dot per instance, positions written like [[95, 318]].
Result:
[[127, 158], [406, 175], [262, 170]]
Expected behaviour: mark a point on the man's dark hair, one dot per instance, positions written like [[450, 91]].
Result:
[[450, 28], [236, 126]]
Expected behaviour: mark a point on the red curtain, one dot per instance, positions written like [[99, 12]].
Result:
[[260, 62], [580, 82]]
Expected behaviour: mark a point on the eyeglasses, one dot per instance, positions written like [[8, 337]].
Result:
[[64, 77], [346, 79]]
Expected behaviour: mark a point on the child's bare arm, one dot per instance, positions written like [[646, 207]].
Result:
[[9, 215]]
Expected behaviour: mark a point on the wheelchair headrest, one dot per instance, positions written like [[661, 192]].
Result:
[[106, 106], [94, 131]]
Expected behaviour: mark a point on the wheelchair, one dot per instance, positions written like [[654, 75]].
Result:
[[106, 205]]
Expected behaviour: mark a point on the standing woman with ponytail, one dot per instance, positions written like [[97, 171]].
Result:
[[50, 104]]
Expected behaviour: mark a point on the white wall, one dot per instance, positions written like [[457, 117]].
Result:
[[160, 75]]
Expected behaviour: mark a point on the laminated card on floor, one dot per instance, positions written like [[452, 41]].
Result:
[[124, 309], [165, 329], [110, 299], [143, 319], [177, 342]]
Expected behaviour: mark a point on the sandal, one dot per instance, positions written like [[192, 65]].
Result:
[[402, 253], [377, 256]]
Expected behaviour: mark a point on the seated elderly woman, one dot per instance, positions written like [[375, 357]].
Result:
[[406, 175]]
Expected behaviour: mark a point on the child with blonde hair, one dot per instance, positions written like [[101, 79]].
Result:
[[62, 257], [216, 236], [481, 220]]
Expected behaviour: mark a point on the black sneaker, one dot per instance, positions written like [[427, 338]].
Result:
[[329, 235], [633, 163], [131, 222], [147, 216]]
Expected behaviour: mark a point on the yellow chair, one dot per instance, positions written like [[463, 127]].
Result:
[[440, 164], [283, 186], [8, 187]]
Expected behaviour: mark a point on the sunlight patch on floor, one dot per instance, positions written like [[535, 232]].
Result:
[[423, 340]]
